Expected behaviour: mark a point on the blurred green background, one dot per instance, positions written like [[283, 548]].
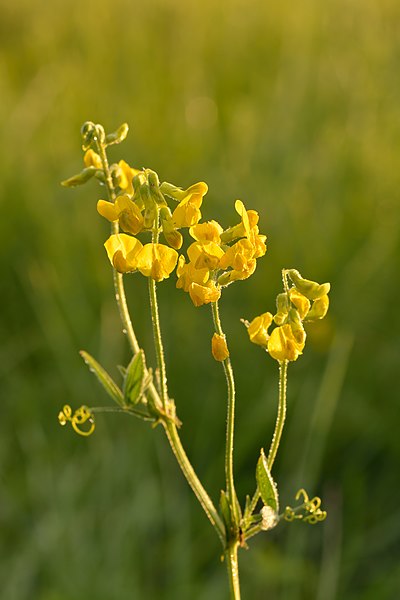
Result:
[[295, 109]]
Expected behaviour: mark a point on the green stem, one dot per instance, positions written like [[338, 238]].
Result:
[[119, 287], [117, 277], [230, 422], [155, 317], [281, 416], [233, 570], [280, 421], [192, 479], [170, 427]]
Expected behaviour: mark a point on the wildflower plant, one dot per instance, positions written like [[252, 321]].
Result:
[[149, 223]]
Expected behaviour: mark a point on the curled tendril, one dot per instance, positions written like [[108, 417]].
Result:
[[312, 512], [81, 416]]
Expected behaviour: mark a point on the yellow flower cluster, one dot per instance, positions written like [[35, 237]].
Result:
[[287, 340], [215, 258]]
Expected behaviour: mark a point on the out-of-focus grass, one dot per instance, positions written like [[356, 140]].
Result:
[[294, 109]]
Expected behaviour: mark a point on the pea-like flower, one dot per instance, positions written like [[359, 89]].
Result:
[[258, 329], [188, 213], [157, 261], [204, 294], [123, 251], [188, 274], [210, 231], [124, 210], [282, 344]]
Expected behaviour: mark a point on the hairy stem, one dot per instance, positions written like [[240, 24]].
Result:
[[231, 558], [276, 439], [193, 480], [230, 422], [280, 419]]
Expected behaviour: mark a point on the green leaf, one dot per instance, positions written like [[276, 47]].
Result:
[[104, 378], [135, 381], [266, 485], [225, 512]]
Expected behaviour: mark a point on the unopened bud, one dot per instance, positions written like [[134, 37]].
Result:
[[80, 178], [319, 308], [310, 289], [118, 136], [92, 159], [174, 238], [282, 305], [88, 130], [296, 326], [219, 348], [172, 191], [300, 302]]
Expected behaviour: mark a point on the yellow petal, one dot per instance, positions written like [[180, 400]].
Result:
[[186, 214], [107, 210], [205, 255], [300, 302], [282, 344], [130, 217], [219, 347], [123, 252], [238, 255], [210, 231], [188, 274], [204, 294], [319, 308], [92, 159], [258, 329], [241, 210], [157, 261]]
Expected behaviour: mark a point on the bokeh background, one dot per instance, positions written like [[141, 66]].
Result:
[[295, 109]]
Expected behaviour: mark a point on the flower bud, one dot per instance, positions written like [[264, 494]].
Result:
[[258, 329], [118, 136], [301, 303], [296, 326], [319, 308], [92, 159], [173, 237], [150, 211], [309, 289], [88, 130], [282, 305], [80, 178], [219, 348]]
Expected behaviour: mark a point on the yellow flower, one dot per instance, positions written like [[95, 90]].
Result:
[[123, 210], [204, 294], [238, 256], [187, 213], [205, 255], [300, 302], [282, 345], [319, 308], [219, 347], [188, 274], [156, 261], [92, 159], [258, 329], [126, 174], [123, 252], [174, 238], [210, 231]]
